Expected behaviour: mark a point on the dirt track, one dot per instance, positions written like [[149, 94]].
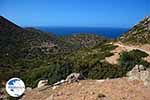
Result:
[[121, 47], [141, 48]]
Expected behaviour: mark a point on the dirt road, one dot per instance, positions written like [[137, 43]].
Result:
[[121, 47], [132, 48]]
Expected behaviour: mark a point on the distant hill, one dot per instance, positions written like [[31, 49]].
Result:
[[11, 34], [83, 40], [18, 45], [7, 26], [139, 34]]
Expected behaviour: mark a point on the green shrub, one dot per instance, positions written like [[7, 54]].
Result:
[[129, 59], [52, 72]]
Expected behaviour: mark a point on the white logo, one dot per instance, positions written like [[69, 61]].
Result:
[[15, 87]]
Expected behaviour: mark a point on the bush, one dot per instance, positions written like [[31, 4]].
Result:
[[129, 59], [52, 72], [104, 70]]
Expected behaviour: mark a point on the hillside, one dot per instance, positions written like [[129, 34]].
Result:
[[33, 55], [139, 34], [82, 40], [17, 45], [14, 37], [26, 51]]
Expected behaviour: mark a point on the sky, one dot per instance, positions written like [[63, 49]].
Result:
[[78, 13]]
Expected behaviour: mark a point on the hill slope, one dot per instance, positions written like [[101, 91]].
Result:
[[32, 54], [139, 34], [17, 45]]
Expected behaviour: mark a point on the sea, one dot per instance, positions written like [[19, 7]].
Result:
[[105, 32]]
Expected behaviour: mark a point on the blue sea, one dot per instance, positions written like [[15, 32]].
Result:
[[106, 32]]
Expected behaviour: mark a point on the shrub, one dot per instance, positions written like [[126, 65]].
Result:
[[129, 59], [52, 72]]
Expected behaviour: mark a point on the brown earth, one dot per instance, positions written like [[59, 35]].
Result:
[[115, 89]]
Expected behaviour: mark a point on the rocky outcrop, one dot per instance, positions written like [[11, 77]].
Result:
[[74, 77], [139, 34], [139, 72], [42, 83]]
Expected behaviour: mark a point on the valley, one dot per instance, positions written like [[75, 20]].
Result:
[[33, 56]]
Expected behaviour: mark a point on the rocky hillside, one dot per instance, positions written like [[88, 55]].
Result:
[[139, 34], [33, 55], [116, 89], [133, 87]]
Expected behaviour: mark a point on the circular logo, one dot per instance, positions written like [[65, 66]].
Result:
[[15, 87]]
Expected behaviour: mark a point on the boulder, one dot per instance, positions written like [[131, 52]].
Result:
[[140, 73], [42, 83], [74, 77]]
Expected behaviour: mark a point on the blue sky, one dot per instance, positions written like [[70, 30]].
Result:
[[81, 13]]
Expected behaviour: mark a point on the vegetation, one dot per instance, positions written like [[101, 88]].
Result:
[[129, 59], [33, 55], [89, 61]]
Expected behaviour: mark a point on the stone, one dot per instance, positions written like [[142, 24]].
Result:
[[59, 82], [140, 73], [100, 81], [148, 18], [74, 77], [54, 87], [28, 89], [42, 83]]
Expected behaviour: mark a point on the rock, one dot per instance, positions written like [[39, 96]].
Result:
[[137, 72], [139, 34], [28, 89], [101, 96], [141, 68], [149, 26], [74, 77], [42, 83], [100, 81], [59, 94], [140, 73], [148, 18], [54, 87], [59, 82], [138, 68]]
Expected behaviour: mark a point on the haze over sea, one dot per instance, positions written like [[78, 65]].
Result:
[[106, 32]]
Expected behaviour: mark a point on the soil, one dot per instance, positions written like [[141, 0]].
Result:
[[114, 89]]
